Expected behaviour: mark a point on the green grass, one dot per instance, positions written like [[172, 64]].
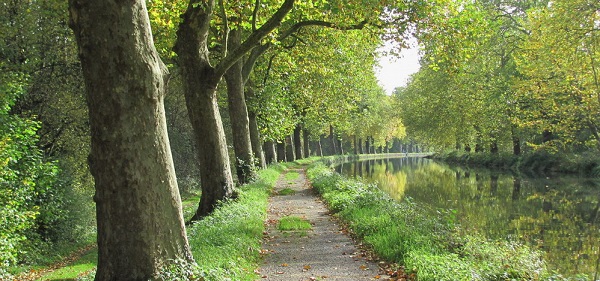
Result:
[[290, 176], [86, 263], [293, 223], [226, 245], [422, 240], [286, 191]]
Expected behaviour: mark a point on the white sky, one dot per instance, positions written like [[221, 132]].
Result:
[[394, 71]]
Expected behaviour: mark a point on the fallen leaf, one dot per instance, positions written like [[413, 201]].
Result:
[[306, 267], [377, 276], [284, 264], [363, 267]]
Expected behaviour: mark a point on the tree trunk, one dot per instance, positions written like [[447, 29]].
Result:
[[319, 148], [306, 138], [360, 146], [333, 141], [298, 141], [494, 147], [281, 155], [516, 141], [355, 138], [467, 147], [238, 114], [138, 208], [270, 152], [200, 87], [257, 148], [290, 151]]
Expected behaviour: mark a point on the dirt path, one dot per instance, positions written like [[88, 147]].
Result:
[[322, 253]]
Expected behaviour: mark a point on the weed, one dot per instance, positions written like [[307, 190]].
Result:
[[286, 191], [290, 176], [293, 223]]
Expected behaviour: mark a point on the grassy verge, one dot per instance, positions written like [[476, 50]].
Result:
[[226, 245], [427, 244]]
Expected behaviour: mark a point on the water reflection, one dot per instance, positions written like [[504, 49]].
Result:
[[557, 215]]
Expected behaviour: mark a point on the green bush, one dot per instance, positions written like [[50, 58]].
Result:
[[30, 203]]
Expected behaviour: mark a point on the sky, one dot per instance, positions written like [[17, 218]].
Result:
[[394, 71]]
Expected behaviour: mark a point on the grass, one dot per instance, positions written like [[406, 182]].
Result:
[[86, 263], [413, 236], [286, 191], [226, 245], [293, 223], [290, 176]]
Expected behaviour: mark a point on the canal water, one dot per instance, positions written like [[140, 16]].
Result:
[[558, 215]]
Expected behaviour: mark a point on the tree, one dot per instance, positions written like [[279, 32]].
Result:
[[29, 197], [560, 66], [140, 223], [200, 84]]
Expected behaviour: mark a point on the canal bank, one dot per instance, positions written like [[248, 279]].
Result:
[[534, 163], [435, 245]]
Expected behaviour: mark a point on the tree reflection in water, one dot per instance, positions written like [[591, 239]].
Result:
[[556, 214]]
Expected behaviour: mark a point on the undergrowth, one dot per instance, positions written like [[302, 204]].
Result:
[[405, 233], [226, 245]]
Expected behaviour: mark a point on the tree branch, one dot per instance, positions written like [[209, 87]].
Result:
[[251, 60], [254, 38], [296, 27], [257, 52], [225, 27], [255, 14]]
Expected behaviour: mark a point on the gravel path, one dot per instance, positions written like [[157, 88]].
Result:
[[322, 253]]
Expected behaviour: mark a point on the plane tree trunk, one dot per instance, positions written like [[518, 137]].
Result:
[[200, 87], [238, 113], [138, 208]]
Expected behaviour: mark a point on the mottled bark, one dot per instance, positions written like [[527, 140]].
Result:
[[257, 148], [270, 152], [298, 151], [368, 145], [290, 151], [281, 155], [319, 148], [333, 141], [238, 114], [306, 143], [360, 146], [200, 87], [138, 208]]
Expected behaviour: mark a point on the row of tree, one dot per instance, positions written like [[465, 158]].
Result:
[[300, 71], [500, 74]]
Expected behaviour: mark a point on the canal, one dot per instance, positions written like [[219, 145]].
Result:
[[558, 215]]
